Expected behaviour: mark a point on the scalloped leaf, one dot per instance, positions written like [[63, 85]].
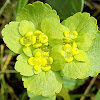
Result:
[[26, 26], [36, 12], [44, 83], [23, 67], [83, 24], [11, 37], [39, 97], [54, 30], [94, 56], [76, 69]]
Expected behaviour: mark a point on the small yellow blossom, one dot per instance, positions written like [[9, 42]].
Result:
[[37, 39], [70, 47], [70, 36], [41, 60], [69, 50]]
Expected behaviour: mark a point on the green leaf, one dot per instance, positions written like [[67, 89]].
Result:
[[81, 56], [21, 4], [94, 56], [71, 84], [11, 37], [66, 8], [97, 97], [45, 83], [54, 30], [86, 27], [28, 51], [59, 60], [83, 24], [39, 97], [23, 67], [25, 27], [76, 69], [84, 42], [36, 12]]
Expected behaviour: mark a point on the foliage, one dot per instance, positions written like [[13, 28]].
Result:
[[50, 52]]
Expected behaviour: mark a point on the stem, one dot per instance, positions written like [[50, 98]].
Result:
[[7, 62], [8, 71], [3, 69], [63, 93], [2, 76], [89, 87], [4, 6]]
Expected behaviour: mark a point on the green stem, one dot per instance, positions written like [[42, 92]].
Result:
[[63, 93], [8, 71], [2, 76], [4, 6]]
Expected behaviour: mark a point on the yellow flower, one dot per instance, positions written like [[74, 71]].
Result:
[[41, 60], [37, 39]]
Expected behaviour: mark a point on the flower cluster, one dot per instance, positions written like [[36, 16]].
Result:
[[37, 39], [49, 50]]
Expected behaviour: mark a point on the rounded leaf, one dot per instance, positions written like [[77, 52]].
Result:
[[25, 27], [23, 67], [86, 28], [11, 37], [44, 83], [54, 30], [76, 69], [36, 12], [82, 23], [81, 56], [94, 56]]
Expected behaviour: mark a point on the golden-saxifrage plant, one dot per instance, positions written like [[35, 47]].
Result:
[[49, 50]]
